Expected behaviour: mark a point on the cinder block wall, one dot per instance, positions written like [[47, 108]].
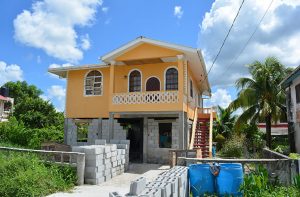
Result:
[[156, 154], [98, 129]]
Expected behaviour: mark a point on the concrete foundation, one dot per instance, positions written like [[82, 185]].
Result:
[[110, 129]]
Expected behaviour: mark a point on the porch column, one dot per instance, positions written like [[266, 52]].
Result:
[[111, 83], [145, 140], [180, 79], [181, 130], [111, 126]]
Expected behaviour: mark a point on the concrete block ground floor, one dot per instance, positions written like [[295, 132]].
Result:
[[151, 135]]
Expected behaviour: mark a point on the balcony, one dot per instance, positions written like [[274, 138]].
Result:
[[154, 97]]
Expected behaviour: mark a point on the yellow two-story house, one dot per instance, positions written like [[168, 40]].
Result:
[[146, 91]]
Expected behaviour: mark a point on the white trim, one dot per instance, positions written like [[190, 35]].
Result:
[[61, 71], [165, 72], [128, 78], [102, 81], [140, 40], [67, 85], [152, 77]]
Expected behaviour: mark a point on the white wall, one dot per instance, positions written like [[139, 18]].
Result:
[[295, 107]]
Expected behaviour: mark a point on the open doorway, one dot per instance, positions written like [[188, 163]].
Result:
[[135, 135]]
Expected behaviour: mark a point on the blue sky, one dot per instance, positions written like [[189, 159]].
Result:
[[37, 34]]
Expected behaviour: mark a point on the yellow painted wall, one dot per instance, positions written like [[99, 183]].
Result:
[[190, 106], [147, 70], [147, 51], [80, 106]]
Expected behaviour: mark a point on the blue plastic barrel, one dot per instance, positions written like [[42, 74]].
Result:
[[230, 179], [201, 180]]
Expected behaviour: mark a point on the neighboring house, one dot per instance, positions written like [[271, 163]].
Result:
[[291, 85], [145, 91], [6, 105], [278, 129]]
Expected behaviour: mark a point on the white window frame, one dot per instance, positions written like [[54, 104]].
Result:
[[128, 81], [92, 87], [150, 78], [165, 78]]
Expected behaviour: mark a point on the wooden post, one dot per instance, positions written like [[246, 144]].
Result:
[[194, 128], [211, 132]]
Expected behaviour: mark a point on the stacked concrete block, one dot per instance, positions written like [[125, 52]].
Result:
[[171, 183], [123, 145], [102, 162], [137, 186]]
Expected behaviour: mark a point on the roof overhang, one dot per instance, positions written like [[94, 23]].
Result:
[[290, 78], [62, 71]]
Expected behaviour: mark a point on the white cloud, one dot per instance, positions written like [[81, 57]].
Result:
[[11, 72], [56, 94], [50, 26], [178, 12], [105, 10], [219, 97], [278, 35], [85, 42]]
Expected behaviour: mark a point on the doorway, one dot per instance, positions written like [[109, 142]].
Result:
[[153, 84], [135, 135]]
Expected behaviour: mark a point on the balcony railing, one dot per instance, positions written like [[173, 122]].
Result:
[[145, 97]]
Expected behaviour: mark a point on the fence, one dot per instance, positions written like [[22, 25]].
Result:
[[73, 159], [282, 169]]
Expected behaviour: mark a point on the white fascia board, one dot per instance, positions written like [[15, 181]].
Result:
[[108, 57], [61, 71]]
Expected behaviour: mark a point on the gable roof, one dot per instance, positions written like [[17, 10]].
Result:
[[140, 40], [193, 55], [289, 79]]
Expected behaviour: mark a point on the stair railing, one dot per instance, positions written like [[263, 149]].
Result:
[[194, 129], [211, 131]]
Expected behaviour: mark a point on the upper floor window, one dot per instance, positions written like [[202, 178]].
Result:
[[153, 84], [135, 81], [191, 89], [297, 88], [93, 83], [171, 79]]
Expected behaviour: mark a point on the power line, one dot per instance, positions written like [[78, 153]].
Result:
[[215, 59], [256, 28]]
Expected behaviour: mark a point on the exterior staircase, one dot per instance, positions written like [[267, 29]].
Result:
[[201, 140]]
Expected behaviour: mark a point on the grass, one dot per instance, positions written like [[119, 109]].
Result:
[[24, 174]]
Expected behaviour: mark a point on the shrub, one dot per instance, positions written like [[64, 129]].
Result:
[[26, 175], [234, 147], [257, 183], [294, 156], [15, 132]]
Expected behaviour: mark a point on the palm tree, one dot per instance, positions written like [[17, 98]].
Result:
[[224, 121], [260, 96]]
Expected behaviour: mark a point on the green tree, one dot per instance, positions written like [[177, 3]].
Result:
[[20, 90], [260, 96], [30, 109], [224, 122]]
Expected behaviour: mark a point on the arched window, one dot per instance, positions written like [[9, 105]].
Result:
[[171, 79], [93, 83], [135, 81], [152, 84]]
